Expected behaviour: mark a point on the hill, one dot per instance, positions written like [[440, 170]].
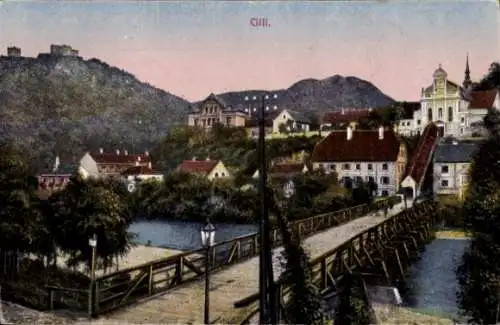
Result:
[[312, 96], [67, 105]]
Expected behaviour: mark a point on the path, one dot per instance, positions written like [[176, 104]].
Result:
[[184, 305]]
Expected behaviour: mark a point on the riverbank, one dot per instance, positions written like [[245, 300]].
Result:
[[453, 234], [137, 255], [390, 315]]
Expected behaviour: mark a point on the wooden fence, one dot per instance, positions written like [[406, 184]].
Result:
[[129, 285], [367, 249]]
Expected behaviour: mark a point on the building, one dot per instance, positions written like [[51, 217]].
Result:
[[111, 164], [452, 162], [343, 118], [374, 156], [458, 111], [404, 123], [285, 170], [212, 169], [55, 179], [63, 50], [214, 110], [134, 175], [279, 121], [13, 51]]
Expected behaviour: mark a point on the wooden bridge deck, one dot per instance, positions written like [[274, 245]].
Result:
[[184, 305]]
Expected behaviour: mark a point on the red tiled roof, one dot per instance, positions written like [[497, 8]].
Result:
[[425, 147], [345, 116], [482, 99], [364, 145], [140, 170], [198, 166], [287, 169], [112, 158]]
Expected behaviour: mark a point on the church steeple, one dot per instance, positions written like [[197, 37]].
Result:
[[467, 82]]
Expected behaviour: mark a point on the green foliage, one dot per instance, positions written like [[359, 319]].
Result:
[[183, 196], [305, 303], [479, 273], [19, 221], [353, 308], [83, 209], [492, 79]]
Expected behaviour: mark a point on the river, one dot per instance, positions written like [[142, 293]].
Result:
[[430, 285]]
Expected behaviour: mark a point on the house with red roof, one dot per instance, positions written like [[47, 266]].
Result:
[[457, 110], [376, 156], [212, 169], [111, 164], [344, 117]]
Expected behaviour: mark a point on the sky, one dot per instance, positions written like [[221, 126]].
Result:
[[192, 49]]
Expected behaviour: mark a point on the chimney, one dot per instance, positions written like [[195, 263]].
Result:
[[125, 152], [150, 166], [146, 153], [343, 111], [117, 152], [208, 158], [194, 158], [101, 151], [138, 158], [349, 133], [56, 164], [381, 133], [137, 163]]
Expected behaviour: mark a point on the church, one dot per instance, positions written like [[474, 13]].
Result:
[[458, 111]]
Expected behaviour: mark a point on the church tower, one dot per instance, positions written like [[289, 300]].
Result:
[[467, 82]]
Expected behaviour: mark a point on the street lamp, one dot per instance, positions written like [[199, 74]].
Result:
[[93, 245], [207, 240]]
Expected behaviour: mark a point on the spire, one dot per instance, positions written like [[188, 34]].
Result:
[[467, 82]]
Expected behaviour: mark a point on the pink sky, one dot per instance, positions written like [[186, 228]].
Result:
[[192, 49]]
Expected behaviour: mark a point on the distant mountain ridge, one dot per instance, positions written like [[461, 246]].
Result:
[[314, 96], [65, 105]]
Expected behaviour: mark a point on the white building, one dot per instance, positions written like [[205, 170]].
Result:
[[458, 111], [377, 156]]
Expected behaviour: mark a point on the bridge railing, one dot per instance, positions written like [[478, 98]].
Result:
[[123, 287], [327, 269]]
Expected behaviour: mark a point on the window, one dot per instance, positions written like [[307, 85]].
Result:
[[359, 180], [385, 167], [223, 174], [444, 169], [370, 167], [385, 193], [358, 166], [444, 183], [418, 122], [462, 120], [429, 114], [346, 167], [371, 179], [450, 114], [384, 180], [332, 166], [347, 182], [440, 113], [461, 130], [465, 179], [216, 175]]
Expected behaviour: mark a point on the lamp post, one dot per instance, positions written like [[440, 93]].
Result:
[[207, 240], [267, 291], [93, 245]]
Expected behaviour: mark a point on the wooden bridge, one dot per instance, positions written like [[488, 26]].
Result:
[[170, 290]]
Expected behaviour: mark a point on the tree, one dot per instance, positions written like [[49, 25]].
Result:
[[479, 272], [492, 79], [353, 308], [20, 224], [83, 209], [305, 304]]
